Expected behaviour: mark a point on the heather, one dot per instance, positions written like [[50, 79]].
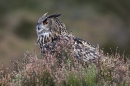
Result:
[[62, 69]]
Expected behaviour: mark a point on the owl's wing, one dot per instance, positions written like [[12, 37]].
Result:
[[84, 50], [80, 48]]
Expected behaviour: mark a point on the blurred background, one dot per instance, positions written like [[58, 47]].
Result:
[[103, 22]]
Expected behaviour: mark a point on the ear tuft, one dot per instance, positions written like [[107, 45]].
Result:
[[45, 14], [43, 17], [54, 15]]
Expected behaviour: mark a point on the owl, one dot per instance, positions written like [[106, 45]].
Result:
[[49, 30]]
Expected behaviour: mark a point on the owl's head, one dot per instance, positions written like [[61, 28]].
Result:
[[46, 24]]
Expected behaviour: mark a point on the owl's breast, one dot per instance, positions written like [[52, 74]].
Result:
[[45, 38]]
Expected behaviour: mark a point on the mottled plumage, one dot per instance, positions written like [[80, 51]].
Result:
[[50, 29]]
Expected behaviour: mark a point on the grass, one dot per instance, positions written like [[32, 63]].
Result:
[[62, 69]]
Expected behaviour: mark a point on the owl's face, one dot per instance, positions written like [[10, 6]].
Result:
[[44, 25]]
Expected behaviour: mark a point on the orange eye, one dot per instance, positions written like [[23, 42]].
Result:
[[45, 22]]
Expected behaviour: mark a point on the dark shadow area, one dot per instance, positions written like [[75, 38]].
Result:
[[25, 30]]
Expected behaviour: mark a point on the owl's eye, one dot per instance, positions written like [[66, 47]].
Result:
[[45, 22]]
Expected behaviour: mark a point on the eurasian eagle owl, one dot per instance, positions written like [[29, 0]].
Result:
[[49, 28]]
